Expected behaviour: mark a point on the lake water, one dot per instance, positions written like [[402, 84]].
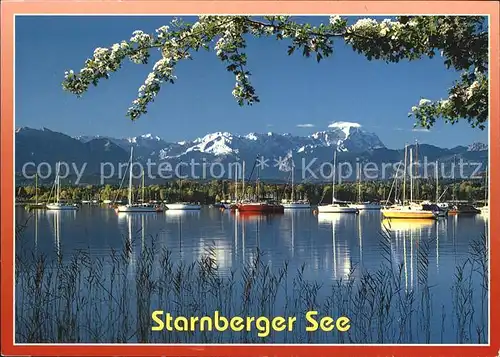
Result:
[[330, 248]]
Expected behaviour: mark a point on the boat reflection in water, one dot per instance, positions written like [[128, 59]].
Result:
[[55, 217], [403, 225], [341, 254], [408, 232], [200, 242], [125, 222], [179, 217], [135, 227]]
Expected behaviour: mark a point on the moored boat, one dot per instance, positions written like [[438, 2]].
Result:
[[36, 205], [467, 209], [32, 206], [337, 207], [408, 210], [433, 207], [360, 205], [293, 203], [138, 208], [183, 206], [296, 205], [58, 205], [367, 206], [132, 207], [260, 207]]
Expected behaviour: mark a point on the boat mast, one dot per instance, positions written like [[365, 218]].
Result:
[[333, 175], [411, 176], [236, 183], [58, 190], [453, 177], [437, 183], [359, 184], [130, 178], [293, 183], [36, 188], [243, 181], [257, 187], [396, 193], [417, 171], [180, 185], [143, 197], [486, 187], [404, 176]]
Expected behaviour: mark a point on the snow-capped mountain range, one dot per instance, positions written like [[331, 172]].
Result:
[[352, 142], [345, 136]]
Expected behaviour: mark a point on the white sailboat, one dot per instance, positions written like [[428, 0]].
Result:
[[57, 204], [185, 206], [130, 206], [294, 204], [485, 209], [336, 206], [364, 206]]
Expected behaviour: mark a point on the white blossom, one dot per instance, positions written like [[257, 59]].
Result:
[[335, 19], [163, 29], [444, 103], [470, 91], [269, 30], [151, 78], [424, 102], [364, 23]]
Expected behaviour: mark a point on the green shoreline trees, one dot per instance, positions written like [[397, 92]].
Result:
[[213, 191]]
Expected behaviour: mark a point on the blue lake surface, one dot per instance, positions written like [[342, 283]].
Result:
[[327, 249]]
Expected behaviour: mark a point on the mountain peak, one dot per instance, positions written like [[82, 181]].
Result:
[[345, 126], [150, 137], [477, 146]]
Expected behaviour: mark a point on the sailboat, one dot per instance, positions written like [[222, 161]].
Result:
[[257, 205], [436, 207], [485, 209], [408, 210], [336, 206], [36, 205], [130, 206], [182, 205], [57, 204], [294, 204], [365, 206]]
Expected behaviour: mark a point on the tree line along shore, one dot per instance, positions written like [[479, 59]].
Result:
[[472, 190]]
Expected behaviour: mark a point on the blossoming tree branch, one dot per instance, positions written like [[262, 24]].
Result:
[[462, 42]]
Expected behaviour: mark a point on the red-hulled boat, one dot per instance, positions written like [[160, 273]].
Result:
[[260, 207]]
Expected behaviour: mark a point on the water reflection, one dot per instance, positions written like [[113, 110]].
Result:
[[177, 218], [328, 244], [55, 218], [341, 253]]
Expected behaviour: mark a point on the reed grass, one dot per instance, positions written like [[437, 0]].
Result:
[[110, 299]]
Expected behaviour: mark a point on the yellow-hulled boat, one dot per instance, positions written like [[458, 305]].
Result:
[[407, 212]]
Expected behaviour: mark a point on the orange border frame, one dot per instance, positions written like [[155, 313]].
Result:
[[231, 7]]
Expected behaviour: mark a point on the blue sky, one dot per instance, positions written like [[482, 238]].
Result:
[[293, 90]]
